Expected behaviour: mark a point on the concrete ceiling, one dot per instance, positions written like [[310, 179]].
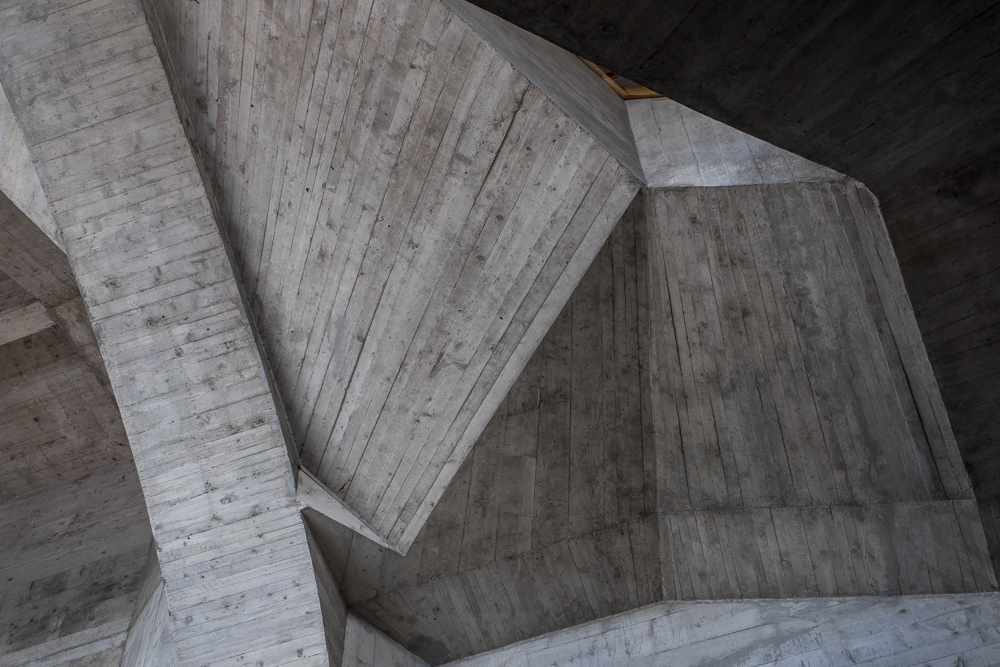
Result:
[[407, 212], [902, 96], [527, 397]]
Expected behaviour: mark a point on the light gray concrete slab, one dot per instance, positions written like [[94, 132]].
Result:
[[898, 632], [18, 178], [679, 147]]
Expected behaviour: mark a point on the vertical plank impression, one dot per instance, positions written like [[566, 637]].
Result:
[[408, 214], [788, 392]]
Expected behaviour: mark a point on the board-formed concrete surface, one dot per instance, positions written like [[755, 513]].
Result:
[[734, 404], [391, 206], [911, 631], [87, 85]]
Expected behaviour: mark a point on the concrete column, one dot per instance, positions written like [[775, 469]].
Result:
[[209, 444]]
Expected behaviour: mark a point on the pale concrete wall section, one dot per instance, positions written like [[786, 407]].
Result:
[[150, 641], [18, 178], [679, 147], [364, 646], [802, 445], [939, 631], [562, 76]]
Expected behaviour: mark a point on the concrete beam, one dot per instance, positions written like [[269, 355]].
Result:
[[24, 321], [206, 433]]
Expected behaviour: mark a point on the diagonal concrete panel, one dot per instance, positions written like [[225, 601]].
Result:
[[32, 259], [18, 178], [408, 213], [679, 147]]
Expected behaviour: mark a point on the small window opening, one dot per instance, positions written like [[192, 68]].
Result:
[[626, 89]]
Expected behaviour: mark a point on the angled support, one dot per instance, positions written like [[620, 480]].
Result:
[[32, 260], [313, 494]]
